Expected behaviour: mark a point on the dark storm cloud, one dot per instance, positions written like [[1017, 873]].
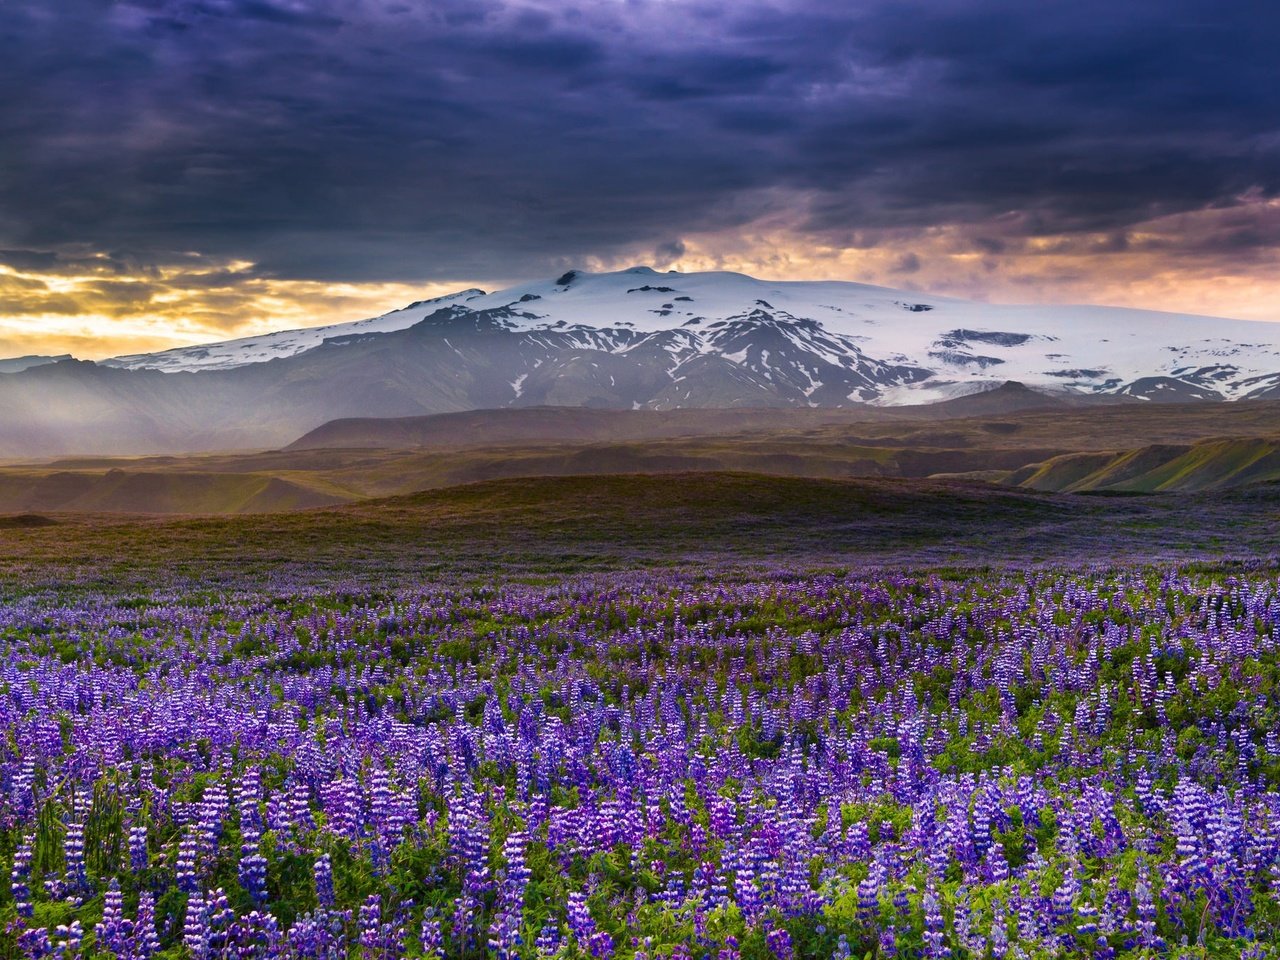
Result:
[[376, 140]]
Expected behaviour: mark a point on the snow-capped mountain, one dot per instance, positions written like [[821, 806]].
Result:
[[635, 339], [729, 337]]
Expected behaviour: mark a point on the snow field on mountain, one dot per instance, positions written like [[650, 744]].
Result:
[[959, 346]]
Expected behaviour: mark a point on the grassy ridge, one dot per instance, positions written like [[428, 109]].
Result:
[[1160, 468]]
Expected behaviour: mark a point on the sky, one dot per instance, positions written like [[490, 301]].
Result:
[[179, 171]]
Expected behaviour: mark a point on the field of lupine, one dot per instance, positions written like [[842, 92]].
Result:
[[987, 764]]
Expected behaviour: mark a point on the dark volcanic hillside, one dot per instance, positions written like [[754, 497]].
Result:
[[567, 425], [575, 424]]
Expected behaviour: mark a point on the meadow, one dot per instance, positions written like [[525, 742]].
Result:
[[438, 732]]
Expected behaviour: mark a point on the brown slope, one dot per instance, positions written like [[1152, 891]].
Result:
[[121, 491]]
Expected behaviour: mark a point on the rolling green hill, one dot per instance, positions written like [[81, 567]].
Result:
[[1158, 468]]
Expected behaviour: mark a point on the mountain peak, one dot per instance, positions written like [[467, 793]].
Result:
[[1014, 387]]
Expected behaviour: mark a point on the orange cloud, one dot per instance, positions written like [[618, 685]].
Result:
[[1207, 262], [96, 314]]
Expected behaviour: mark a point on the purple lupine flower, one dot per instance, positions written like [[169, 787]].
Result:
[[256, 935], [252, 873], [747, 895], [186, 864], [35, 944], [548, 942], [211, 810], [778, 940], [1087, 919], [138, 859], [20, 886], [469, 840], [934, 926], [323, 872], [966, 925], [996, 864], [600, 945], [23, 782], [113, 931], [504, 938], [463, 924], [371, 925], [432, 938], [999, 939], [195, 928], [219, 922], [73, 847], [1064, 909], [144, 941], [869, 895], [382, 938], [581, 926], [67, 939], [252, 868], [317, 937], [889, 941], [1146, 907]]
